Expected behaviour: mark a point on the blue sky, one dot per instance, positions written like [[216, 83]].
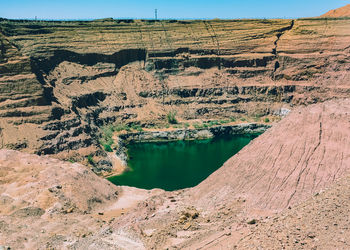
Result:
[[180, 9]]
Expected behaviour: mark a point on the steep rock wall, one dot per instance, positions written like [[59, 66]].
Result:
[[62, 81]]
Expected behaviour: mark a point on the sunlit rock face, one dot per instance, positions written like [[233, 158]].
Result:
[[62, 81]]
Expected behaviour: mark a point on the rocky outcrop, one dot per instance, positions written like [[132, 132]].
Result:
[[193, 134]]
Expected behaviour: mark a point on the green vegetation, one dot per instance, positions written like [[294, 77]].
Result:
[[177, 126], [197, 125], [136, 127], [212, 123], [252, 222], [257, 117], [106, 140], [91, 160], [107, 148], [121, 127], [224, 121], [107, 133], [171, 117]]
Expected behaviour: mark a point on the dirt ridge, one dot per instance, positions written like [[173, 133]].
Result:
[[338, 13]]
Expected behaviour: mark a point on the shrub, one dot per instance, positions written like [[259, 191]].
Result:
[[91, 160], [196, 125], [120, 127], [224, 121], [171, 117], [107, 148], [107, 132], [266, 120], [137, 127], [177, 126], [213, 123], [252, 222]]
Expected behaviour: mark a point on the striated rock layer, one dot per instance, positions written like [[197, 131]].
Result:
[[60, 82], [304, 153], [322, 222]]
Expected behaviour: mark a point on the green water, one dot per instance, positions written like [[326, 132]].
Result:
[[177, 165]]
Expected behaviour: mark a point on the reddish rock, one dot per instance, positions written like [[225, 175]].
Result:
[[340, 12]]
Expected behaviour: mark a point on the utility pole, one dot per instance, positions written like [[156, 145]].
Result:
[[156, 14]]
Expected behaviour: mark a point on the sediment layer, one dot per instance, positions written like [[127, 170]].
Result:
[[61, 82]]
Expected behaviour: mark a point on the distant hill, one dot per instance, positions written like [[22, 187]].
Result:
[[340, 12]]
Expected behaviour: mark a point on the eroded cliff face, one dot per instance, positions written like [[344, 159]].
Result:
[[62, 81]]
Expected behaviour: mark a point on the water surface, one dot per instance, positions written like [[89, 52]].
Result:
[[180, 164]]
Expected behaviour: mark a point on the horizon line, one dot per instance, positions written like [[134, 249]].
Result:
[[153, 19]]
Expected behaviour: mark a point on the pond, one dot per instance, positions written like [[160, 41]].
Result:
[[177, 165]]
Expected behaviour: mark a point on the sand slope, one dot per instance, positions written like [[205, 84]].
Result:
[[340, 12]]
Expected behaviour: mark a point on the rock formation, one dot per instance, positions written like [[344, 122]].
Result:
[[62, 81]]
